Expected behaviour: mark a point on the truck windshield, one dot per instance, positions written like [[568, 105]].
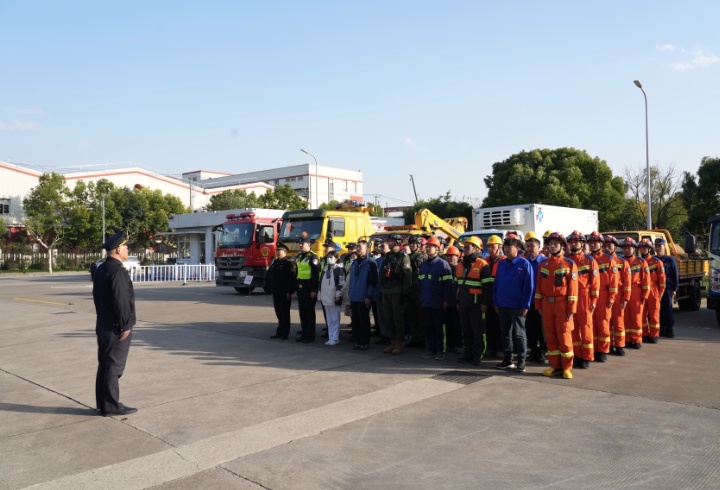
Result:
[[715, 238], [293, 229], [236, 235]]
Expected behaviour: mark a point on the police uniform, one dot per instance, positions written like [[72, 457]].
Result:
[[672, 279], [281, 278], [114, 300], [308, 275]]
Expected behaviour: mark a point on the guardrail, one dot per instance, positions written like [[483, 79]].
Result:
[[168, 273]]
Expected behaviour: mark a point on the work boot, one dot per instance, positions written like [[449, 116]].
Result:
[[652, 340], [398, 347], [584, 364], [391, 347], [552, 372], [567, 374], [619, 351], [600, 357]]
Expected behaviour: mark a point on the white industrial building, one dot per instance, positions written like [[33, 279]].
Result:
[[317, 184]]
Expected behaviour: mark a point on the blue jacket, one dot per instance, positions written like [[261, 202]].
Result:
[[672, 277], [514, 283], [535, 264], [363, 279], [436, 283]]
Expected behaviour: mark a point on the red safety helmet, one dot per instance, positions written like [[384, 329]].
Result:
[[612, 239], [433, 240], [576, 235], [629, 242], [595, 237], [452, 250], [645, 242], [556, 236]]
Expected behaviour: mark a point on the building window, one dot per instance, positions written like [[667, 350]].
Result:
[[183, 250], [355, 187], [331, 189], [345, 185], [4, 206]]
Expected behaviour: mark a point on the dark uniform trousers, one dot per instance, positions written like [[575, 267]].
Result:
[[306, 307], [472, 321], [667, 319], [112, 356], [282, 312], [415, 318], [492, 328], [394, 314], [535, 333]]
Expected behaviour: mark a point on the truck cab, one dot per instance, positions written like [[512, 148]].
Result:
[[246, 245], [713, 300], [342, 225]]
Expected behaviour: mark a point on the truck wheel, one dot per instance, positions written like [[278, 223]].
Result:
[[695, 297], [245, 290]]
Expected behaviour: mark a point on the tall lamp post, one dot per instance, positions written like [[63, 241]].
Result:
[[647, 157], [316, 177]]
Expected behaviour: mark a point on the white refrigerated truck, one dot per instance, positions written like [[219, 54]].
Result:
[[537, 218]]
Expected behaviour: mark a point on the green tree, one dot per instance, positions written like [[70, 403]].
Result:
[[282, 197], [235, 199], [443, 206], [561, 177], [701, 196], [46, 207], [668, 210]]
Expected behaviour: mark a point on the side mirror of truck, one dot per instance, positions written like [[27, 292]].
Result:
[[690, 245]]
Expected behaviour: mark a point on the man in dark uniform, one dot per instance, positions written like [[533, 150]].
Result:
[[306, 285], [667, 320], [115, 307], [395, 282], [282, 284], [414, 316]]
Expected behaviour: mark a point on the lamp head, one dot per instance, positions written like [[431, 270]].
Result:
[[637, 83]]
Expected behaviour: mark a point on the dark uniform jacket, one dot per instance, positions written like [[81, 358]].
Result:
[[281, 276], [114, 296]]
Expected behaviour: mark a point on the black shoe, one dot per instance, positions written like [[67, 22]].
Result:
[[542, 359], [520, 367], [284, 337], [634, 345], [464, 360], [669, 334], [300, 339], [619, 351], [600, 357], [307, 341], [505, 365], [576, 362], [276, 336], [122, 411], [361, 347], [584, 364], [646, 338], [652, 340]]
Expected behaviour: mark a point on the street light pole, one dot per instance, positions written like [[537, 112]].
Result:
[[317, 184], [647, 157]]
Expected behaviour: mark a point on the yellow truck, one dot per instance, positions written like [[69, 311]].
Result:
[[692, 267], [342, 225], [427, 224]]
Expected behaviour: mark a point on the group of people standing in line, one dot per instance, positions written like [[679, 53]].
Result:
[[562, 301]]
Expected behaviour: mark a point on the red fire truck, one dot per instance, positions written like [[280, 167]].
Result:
[[245, 247]]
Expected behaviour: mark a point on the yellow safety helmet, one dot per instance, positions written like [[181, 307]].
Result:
[[474, 240], [532, 236], [547, 234], [494, 240]]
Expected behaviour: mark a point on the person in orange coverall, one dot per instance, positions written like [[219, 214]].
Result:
[[608, 291], [588, 293], [639, 292], [556, 297], [651, 316], [617, 318]]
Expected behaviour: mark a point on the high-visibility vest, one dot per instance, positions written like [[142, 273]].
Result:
[[304, 270], [472, 278]]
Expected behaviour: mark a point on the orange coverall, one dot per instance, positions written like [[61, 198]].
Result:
[[617, 319], [588, 293], [651, 325], [556, 296], [609, 276], [640, 290]]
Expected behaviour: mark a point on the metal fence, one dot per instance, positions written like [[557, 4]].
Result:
[[168, 273]]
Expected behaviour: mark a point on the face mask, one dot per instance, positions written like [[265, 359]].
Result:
[[331, 260]]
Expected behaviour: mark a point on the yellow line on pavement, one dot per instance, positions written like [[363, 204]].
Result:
[[39, 301]]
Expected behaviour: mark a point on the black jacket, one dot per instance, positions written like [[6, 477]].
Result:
[[114, 296], [281, 276]]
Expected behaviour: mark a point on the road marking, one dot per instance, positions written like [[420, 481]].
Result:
[[40, 301], [187, 460]]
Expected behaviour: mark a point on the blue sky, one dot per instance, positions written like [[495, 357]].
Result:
[[440, 90]]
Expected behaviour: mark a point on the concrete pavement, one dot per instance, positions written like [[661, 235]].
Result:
[[223, 406]]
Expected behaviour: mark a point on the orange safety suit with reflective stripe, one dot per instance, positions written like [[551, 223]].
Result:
[[639, 292], [651, 317], [617, 319], [556, 297], [608, 292], [588, 293]]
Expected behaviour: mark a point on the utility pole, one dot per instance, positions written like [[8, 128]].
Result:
[[414, 191]]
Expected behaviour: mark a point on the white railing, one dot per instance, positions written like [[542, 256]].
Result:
[[178, 272]]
